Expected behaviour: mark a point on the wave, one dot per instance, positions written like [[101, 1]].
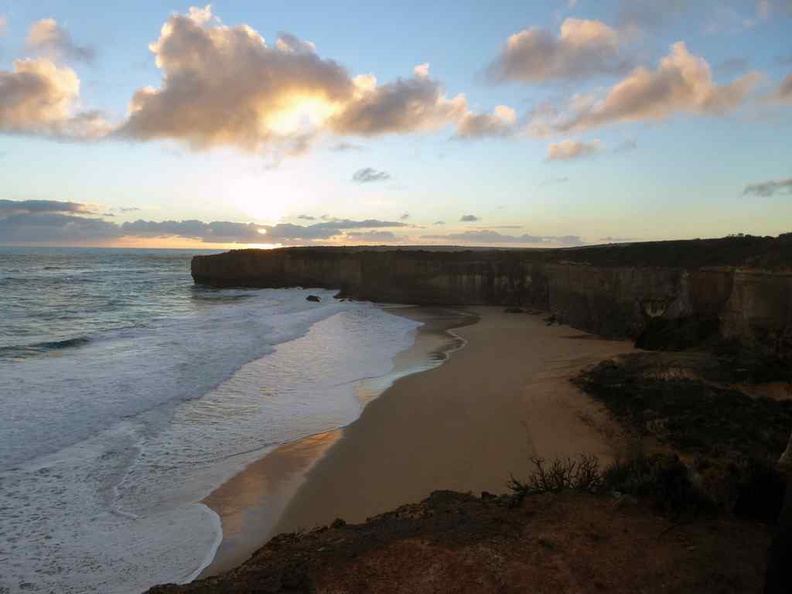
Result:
[[17, 351], [106, 451]]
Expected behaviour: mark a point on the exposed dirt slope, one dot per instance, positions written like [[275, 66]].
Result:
[[453, 542]]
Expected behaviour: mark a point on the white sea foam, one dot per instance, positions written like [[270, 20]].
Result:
[[107, 450]]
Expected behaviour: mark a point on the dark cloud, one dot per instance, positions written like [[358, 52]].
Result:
[[405, 216], [583, 49], [769, 188], [11, 207], [371, 236], [439, 223], [487, 236], [49, 227], [214, 232], [52, 221], [469, 218], [306, 217], [369, 175], [333, 223]]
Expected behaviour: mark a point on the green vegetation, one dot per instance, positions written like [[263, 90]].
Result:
[[715, 445]]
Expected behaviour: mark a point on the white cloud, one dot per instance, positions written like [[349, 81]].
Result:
[[569, 150], [225, 86], [582, 49], [682, 83], [39, 97], [48, 38]]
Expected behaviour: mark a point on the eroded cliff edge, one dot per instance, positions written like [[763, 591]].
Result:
[[736, 287]]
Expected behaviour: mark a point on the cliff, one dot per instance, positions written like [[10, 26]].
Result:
[[738, 287]]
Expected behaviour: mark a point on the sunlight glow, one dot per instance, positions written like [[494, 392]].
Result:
[[303, 115]]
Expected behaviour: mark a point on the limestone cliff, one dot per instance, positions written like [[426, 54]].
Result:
[[741, 287]]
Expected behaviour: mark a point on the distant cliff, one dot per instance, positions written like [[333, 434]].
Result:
[[739, 287]]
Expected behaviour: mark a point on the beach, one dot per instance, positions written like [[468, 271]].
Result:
[[502, 396]]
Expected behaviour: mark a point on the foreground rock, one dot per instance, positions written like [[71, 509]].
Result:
[[453, 542]]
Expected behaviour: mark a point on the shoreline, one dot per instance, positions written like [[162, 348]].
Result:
[[467, 425], [365, 469], [248, 505]]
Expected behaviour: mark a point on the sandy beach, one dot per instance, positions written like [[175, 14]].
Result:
[[467, 425]]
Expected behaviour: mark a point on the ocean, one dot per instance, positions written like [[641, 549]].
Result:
[[127, 394]]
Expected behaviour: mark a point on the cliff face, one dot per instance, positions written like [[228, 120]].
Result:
[[614, 299]]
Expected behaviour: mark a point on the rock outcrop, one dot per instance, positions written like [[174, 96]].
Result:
[[741, 287]]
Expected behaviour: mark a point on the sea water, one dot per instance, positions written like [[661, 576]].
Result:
[[127, 394]]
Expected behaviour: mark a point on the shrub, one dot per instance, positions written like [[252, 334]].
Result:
[[567, 474]]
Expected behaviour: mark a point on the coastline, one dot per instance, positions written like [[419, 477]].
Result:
[[249, 505], [472, 422], [467, 425]]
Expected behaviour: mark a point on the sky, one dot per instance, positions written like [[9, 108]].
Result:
[[261, 123]]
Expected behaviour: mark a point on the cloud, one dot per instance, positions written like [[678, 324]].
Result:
[[636, 16], [469, 218], [48, 38], [225, 86], [54, 227], [405, 216], [341, 147], [682, 83], [584, 48], [487, 236], [569, 150], [38, 97], [61, 222], [783, 94], [3, 25], [333, 223], [439, 223], [368, 175], [214, 232], [610, 239], [769, 188], [732, 66], [287, 42], [306, 217], [501, 123], [625, 147], [12, 207], [371, 236], [406, 106]]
